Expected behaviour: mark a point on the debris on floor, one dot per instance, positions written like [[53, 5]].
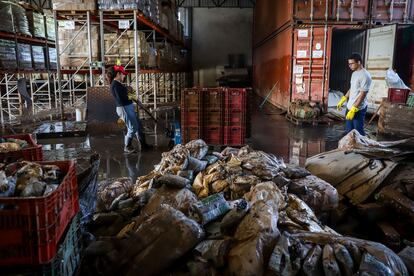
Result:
[[237, 212], [375, 183]]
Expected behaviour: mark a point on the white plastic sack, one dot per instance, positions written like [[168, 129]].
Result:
[[394, 81]]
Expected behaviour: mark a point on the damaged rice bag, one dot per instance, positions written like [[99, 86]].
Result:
[[235, 215], [209, 209], [7, 185], [110, 189], [172, 181], [198, 148], [196, 165], [215, 251], [257, 233]]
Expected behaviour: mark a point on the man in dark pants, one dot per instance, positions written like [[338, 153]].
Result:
[[356, 96]]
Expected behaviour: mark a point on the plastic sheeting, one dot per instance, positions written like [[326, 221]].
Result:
[[36, 24], [7, 54], [38, 54], [14, 19], [24, 54]]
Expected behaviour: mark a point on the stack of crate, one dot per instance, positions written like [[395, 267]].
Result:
[[216, 115], [213, 115], [191, 114], [235, 120]]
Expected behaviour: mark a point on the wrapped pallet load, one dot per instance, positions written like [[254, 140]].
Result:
[[50, 28], [7, 54], [38, 53], [24, 55], [36, 24], [52, 59], [64, 5], [13, 18]]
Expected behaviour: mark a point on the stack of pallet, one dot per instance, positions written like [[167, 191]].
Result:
[[216, 115]]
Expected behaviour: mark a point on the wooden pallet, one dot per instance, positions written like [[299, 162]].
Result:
[[315, 122]]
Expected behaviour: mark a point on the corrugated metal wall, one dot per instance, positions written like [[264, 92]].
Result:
[[344, 43]]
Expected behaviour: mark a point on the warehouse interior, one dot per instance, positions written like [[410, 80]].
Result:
[[206, 137]]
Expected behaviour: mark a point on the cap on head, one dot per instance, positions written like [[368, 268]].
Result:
[[120, 68]]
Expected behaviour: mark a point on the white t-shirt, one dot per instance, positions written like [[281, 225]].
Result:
[[360, 81]]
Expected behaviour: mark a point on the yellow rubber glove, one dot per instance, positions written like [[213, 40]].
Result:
[[132, 97], [341, 103], [351, 113]]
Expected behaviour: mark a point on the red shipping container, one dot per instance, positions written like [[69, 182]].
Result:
[[32, 227], [398, 95], [386, 11], [32, 153]]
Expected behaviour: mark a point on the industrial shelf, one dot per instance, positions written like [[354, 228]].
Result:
[[26, 39]]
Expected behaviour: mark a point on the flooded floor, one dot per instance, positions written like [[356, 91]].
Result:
[[271, 132]]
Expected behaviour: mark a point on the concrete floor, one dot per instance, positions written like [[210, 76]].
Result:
[[270, 132]]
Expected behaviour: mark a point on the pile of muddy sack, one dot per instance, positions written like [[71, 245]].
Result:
[[303, 109], [29, 179], [235, 212]]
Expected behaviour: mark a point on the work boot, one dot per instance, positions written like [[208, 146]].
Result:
[[128, 145], [143, 142]]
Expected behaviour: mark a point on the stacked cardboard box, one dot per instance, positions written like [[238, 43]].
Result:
[[74, 5], [78, 50], [123, 49]]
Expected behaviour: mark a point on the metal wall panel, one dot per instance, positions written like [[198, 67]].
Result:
[[269, 16], [313, 10], [272, 68], [351, 10]]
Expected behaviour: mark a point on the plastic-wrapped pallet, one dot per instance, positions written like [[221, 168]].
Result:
[[38, 57], [36, 24], [24, 55], [73, 5], [50, 28], [7, 54], [6, 16], [52, 59], [120, 4], [21, 24]]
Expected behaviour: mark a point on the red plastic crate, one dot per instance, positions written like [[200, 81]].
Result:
[[32, 227], [397, 95], [191, 98], [191, 118], [213, 99], [236, 118], [189, 133], [236, 99], [234, 136], [32, 153], [213, 135], [213, 118]]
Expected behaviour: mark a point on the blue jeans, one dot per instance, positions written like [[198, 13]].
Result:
[[131, 121], [356, 123]]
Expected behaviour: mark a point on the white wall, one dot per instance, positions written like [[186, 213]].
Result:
[[218, 32]]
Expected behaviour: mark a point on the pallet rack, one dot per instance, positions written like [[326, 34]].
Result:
[[39, 84]]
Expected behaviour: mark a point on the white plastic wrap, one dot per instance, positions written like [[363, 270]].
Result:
[[394, 81], [7, 54]]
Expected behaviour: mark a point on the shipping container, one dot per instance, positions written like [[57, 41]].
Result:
[[307, 61], [386, 11], [303, 57], [270, 15]]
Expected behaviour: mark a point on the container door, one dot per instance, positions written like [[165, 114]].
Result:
[[351, 10], [379, 58], [311, 58]]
